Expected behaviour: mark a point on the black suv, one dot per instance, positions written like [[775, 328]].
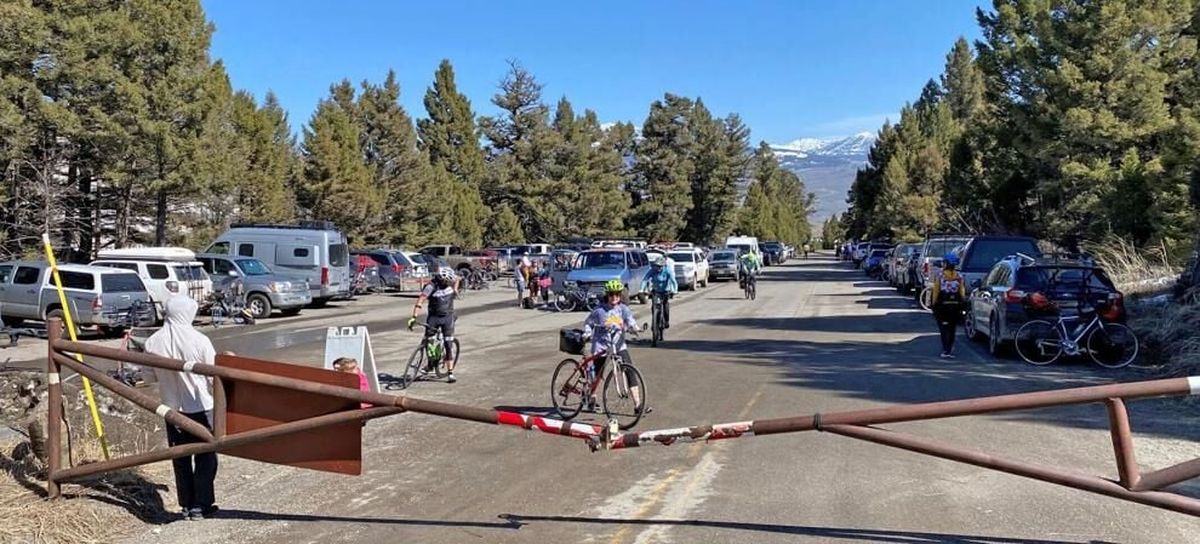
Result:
[[998, 305], [981, 253], [772, 252]]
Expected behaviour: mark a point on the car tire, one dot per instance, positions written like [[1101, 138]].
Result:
[[969, 328], [58, 313], [12, 321], [318, 302], [995, 343], [290, 312], [259, 305]]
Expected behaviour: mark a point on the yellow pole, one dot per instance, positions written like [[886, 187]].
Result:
[[70, 323]]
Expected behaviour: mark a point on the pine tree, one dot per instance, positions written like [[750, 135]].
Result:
[[505, 228], [450, 135], [718, 150], [337, 185], [661, 189], [521, 145]]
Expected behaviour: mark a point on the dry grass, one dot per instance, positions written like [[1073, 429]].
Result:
[[1136, 272], [1170, 337]]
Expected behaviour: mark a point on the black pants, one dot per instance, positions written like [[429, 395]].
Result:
[[947, 316], [664, 300], [194, 475]]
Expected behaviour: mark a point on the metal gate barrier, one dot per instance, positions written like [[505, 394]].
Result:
[[319, 426]]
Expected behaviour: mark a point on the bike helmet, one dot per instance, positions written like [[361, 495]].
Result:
[[950, 259], [613, 286], [447, 274], [655, 259]]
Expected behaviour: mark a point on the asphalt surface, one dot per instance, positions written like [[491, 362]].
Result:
[[820, 337]]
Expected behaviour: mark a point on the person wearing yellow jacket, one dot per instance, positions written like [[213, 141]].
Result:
[[949, 293]]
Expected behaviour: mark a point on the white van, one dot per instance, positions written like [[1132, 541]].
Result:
[[158, 265], [744, 244], [312, 250]]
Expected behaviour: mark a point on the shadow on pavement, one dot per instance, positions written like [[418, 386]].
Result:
[[835, 533], [275, 516]]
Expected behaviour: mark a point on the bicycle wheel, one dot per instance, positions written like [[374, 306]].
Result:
[[656, 330], [1112, 345], [624, 395], [564, 302], [567, 387], [1038, 342], [416, 367], [754, 290], [926, 299]]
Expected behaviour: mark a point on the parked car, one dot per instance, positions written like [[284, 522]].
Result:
[[396, 269], [896, 263], [910, 272], [873, 264], [265, 290], [744, 244], [158, 265], [109, 298], [933, 249], [773, 253], [456, 257], [997, 305], [594, 267], [691, 269], [977, 257], [314, 250], [723, 264]]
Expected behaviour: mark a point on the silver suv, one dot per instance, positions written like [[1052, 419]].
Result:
[[265, 290], [109, 298]]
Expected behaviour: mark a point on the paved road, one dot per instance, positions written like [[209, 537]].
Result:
[[820, 337]]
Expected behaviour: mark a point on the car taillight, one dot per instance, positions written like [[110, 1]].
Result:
[[925, 269], [398, 268], [324, 275], [1014, 296]]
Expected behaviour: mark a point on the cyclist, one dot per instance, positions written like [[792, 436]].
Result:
[[612, 313], [807, 249], [948, 293], [748, 266], [440, 293], [660, 280]]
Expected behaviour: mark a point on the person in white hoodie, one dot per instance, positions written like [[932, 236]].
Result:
[[189, 394]]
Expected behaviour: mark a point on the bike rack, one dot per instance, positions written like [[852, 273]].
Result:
[[309, 417]]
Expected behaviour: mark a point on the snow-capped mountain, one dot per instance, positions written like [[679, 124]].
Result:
[[827, 166]]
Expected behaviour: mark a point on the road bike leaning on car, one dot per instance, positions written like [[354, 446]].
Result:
[[572, 297], [1111, 345], [573, 385], [430, 358]]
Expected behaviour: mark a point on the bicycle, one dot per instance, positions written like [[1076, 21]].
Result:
[[573, 385], [228, 305], [658, 320], [572, 297], [1110, 345], [925, 299], [429, 357], [750, 287]]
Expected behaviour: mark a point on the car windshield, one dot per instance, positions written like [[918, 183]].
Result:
[[417, 258], [742, 248], [773, 246], [255, 267], [121, 283], [723, 256], [682, 257], [602, 259], [941, 246], [879, 252], [985, 253]]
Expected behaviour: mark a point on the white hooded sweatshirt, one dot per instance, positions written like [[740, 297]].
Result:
[[177, 339]]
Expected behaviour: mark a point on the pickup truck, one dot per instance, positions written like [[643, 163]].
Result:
[[106, 297], [457, 258]]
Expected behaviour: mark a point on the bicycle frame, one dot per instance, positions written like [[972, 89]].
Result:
[[610, 357], [1071, 344]]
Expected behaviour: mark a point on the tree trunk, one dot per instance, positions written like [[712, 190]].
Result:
[[160, 220]]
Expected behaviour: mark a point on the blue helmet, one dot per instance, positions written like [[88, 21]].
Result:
[[950, 259]]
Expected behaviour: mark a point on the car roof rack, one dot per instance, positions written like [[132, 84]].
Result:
[[300, 225]]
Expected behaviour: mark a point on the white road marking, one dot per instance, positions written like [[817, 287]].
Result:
[[683, 497], [1194, 384]]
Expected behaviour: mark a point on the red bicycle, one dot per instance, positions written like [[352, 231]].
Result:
[[573, 386]]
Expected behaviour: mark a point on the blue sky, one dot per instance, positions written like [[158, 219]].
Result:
[[790, 68]]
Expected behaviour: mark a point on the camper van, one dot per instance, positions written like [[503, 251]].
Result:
[[744, 244], [313, 250], [159, 265]]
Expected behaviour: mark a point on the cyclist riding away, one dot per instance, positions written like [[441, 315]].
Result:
[[748, 266], [612, 313], [660, 280], [948, 293], [440, 292]]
